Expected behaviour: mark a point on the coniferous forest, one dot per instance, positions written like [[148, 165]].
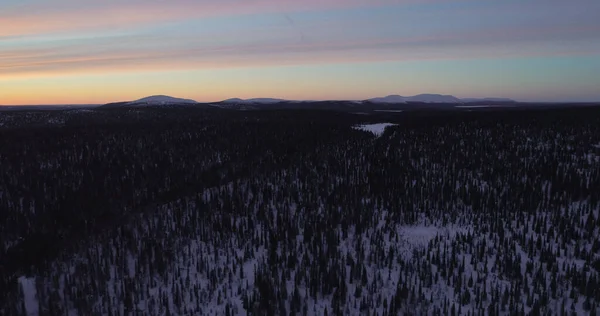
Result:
[[183, 211]]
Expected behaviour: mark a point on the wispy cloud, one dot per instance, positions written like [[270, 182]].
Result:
[[126, 53], [69, 15]]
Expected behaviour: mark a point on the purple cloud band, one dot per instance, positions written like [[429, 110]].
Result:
[[34, 39], [66, 15]]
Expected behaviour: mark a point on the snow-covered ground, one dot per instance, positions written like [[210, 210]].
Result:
[[210, 253], [376, 129], [56, 120], [30, 295]]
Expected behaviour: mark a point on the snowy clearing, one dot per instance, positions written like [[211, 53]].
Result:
[[418, 237], [376, 129]]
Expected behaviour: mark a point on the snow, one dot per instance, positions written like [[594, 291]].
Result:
[[596, 146], [162, 99], [415, 237], [419, 236], [414, 243], [376, 129], [56, 120], [592, 158], [30, 295]]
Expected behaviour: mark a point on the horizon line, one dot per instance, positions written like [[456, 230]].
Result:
[[306, 101]]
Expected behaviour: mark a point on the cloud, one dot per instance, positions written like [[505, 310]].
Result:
[[69, 15], [68, 36], [149, 53]]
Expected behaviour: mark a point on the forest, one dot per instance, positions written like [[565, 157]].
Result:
[[208, 211]]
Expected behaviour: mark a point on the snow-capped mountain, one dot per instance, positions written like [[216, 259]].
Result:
[[161, 100], [425, 98]]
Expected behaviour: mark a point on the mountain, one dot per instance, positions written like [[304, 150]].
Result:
[[389, 99], [423, 98], [434, 98], [152, 101], [161, 100]]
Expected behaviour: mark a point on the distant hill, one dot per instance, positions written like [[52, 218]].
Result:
[[429, 98], [162, 99], [390, 102], [153, 101]]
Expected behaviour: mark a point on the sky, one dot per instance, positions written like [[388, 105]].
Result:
[[93, 52]]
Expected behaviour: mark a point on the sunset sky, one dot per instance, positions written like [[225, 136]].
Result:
[[89, 51]]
